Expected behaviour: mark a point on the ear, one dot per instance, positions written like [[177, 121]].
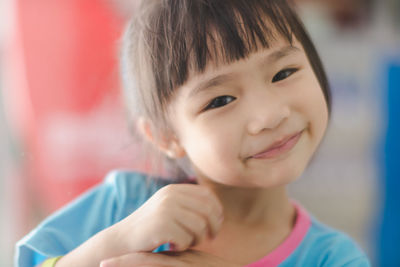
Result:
[[166, 143]]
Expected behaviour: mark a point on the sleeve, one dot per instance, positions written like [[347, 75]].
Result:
[[343, 251], [69, 227], [358, 262]]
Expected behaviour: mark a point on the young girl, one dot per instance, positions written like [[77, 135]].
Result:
[[234, 93]]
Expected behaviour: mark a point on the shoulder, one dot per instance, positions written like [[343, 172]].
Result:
[[116, 197], [120, 193], [130, 186], [326, 246]]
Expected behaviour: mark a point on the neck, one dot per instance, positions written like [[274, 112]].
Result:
[[253, 206]]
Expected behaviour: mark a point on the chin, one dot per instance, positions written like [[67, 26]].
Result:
[[281, 178]]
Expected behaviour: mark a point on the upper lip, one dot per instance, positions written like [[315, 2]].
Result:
[[277, 143]]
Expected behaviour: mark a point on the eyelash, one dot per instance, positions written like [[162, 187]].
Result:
[[214, 103]]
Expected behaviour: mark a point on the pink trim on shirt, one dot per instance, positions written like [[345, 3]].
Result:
[[278, 255]]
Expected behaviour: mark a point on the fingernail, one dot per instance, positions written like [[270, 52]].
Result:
[[172, 247]]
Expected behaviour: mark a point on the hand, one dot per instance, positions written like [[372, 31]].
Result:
[[179, 214], [189, 258]]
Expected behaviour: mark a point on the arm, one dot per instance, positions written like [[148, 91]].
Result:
[[91, 229], [181, 214], [92, 212]]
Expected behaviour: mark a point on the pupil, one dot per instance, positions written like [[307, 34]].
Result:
[[221, 101]]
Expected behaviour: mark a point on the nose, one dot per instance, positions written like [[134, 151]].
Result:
[[266, 114]]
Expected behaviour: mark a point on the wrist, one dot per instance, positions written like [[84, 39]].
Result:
[[110, 243], [117, 241], [125, 237]]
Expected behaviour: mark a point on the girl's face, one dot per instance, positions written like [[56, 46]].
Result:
[[253, 123]]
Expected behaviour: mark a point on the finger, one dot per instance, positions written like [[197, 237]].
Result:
[[201, 192], [190, 193], [212, 215], [141, 259], [194, 223], [177, 234], [192, 190], [213, 220], [196, 198]]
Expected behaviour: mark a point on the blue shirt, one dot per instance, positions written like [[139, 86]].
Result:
[[122, 192]]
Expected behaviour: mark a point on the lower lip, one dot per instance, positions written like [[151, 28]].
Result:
[[281, 149]]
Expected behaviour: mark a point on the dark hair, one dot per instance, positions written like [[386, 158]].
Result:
[[169, 39]]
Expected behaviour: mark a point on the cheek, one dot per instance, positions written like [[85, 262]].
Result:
[[317, 115], [211, 148], [318, 111], [310, 102]]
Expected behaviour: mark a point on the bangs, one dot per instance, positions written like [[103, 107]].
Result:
[[185, 36], [233, 32]]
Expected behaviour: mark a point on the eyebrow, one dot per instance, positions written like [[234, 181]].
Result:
[[279, 54], [223, 78], [213, 82]]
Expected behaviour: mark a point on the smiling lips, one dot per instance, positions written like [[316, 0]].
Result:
[[279, 147]]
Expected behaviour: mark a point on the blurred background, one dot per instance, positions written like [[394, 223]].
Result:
[[63, 127]]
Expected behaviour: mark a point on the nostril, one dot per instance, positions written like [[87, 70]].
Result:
[[271, 119]]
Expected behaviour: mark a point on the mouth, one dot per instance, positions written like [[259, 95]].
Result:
[[279, 147]]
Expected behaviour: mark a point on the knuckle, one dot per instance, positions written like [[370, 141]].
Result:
[[166, 201], [168, 189]]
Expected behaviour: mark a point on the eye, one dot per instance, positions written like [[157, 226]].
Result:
[[220, 101], [283, 74]]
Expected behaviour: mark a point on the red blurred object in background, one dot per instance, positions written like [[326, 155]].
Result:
[[63, 101]]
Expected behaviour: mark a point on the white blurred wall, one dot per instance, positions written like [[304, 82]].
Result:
[[341, 185]]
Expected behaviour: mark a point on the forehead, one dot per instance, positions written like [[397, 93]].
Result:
[[225, 32], [216, 74]]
